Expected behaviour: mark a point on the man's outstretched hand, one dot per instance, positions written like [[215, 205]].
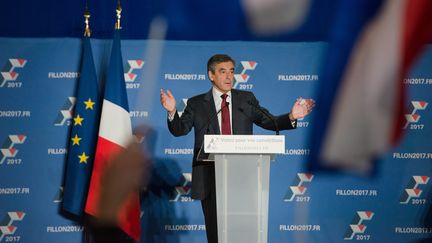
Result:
[[302, 107], [168, 101]]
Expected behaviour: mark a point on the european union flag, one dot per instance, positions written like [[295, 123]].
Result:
[[83, 136]]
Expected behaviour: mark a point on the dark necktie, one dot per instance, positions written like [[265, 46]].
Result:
[[226, 124]]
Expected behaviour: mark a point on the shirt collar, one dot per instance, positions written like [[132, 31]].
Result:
[[217, 94]]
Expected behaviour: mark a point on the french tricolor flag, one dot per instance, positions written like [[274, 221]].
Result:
[[115, 132], [361, 98]]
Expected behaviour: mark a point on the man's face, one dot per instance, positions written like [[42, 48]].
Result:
[[223, 77]]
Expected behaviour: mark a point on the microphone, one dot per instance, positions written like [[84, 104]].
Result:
[[265, 112], [206, 126]]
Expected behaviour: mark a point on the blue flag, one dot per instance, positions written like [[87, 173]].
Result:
[[83, 136]]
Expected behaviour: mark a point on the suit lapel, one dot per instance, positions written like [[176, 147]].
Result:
[[235, 100], [211, 111]]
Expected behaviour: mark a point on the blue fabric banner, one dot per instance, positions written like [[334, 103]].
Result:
[[38, 82]]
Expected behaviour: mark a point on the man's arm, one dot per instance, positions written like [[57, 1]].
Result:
[[178, 126], [263, 118]]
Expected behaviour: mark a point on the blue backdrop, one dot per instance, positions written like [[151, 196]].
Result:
[[37, 87]]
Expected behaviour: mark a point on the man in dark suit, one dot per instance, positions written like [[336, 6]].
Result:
[[222, 110]]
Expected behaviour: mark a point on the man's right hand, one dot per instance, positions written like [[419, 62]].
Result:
[[168, 101]]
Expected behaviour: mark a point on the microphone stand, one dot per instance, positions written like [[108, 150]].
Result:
[[263, 111], [206, 126]]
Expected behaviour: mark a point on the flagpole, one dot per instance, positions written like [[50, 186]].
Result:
[[87, 34], [118, 14], [87, 30]]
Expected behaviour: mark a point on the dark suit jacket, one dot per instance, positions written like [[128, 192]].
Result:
[[200, 114]]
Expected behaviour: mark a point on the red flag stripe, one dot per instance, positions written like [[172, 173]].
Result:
[[129, 213]]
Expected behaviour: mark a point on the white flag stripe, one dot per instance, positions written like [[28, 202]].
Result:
[[115, 124]]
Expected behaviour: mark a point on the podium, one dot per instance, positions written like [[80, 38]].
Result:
[[242, 169]]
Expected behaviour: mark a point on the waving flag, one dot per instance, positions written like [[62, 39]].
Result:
[[360, 102], [83, 136], [115, 133]]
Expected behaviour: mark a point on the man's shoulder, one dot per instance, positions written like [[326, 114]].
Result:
[[200, 97], [242, 93], [239, 91]]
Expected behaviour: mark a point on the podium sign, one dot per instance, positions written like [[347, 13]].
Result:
[[242, 169], [244, 144]]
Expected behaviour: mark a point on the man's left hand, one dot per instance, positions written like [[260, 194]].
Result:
[[302, 107]]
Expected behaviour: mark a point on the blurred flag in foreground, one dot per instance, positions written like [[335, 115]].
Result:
[[360, 99]]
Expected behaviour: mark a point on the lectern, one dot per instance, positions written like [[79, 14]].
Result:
[[242, 168]]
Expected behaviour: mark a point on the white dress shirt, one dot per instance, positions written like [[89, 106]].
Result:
[[218, 101]]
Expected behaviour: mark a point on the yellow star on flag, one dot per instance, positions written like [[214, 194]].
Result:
[[78, 120], [75, 140], [89, 104], [83, 158]]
